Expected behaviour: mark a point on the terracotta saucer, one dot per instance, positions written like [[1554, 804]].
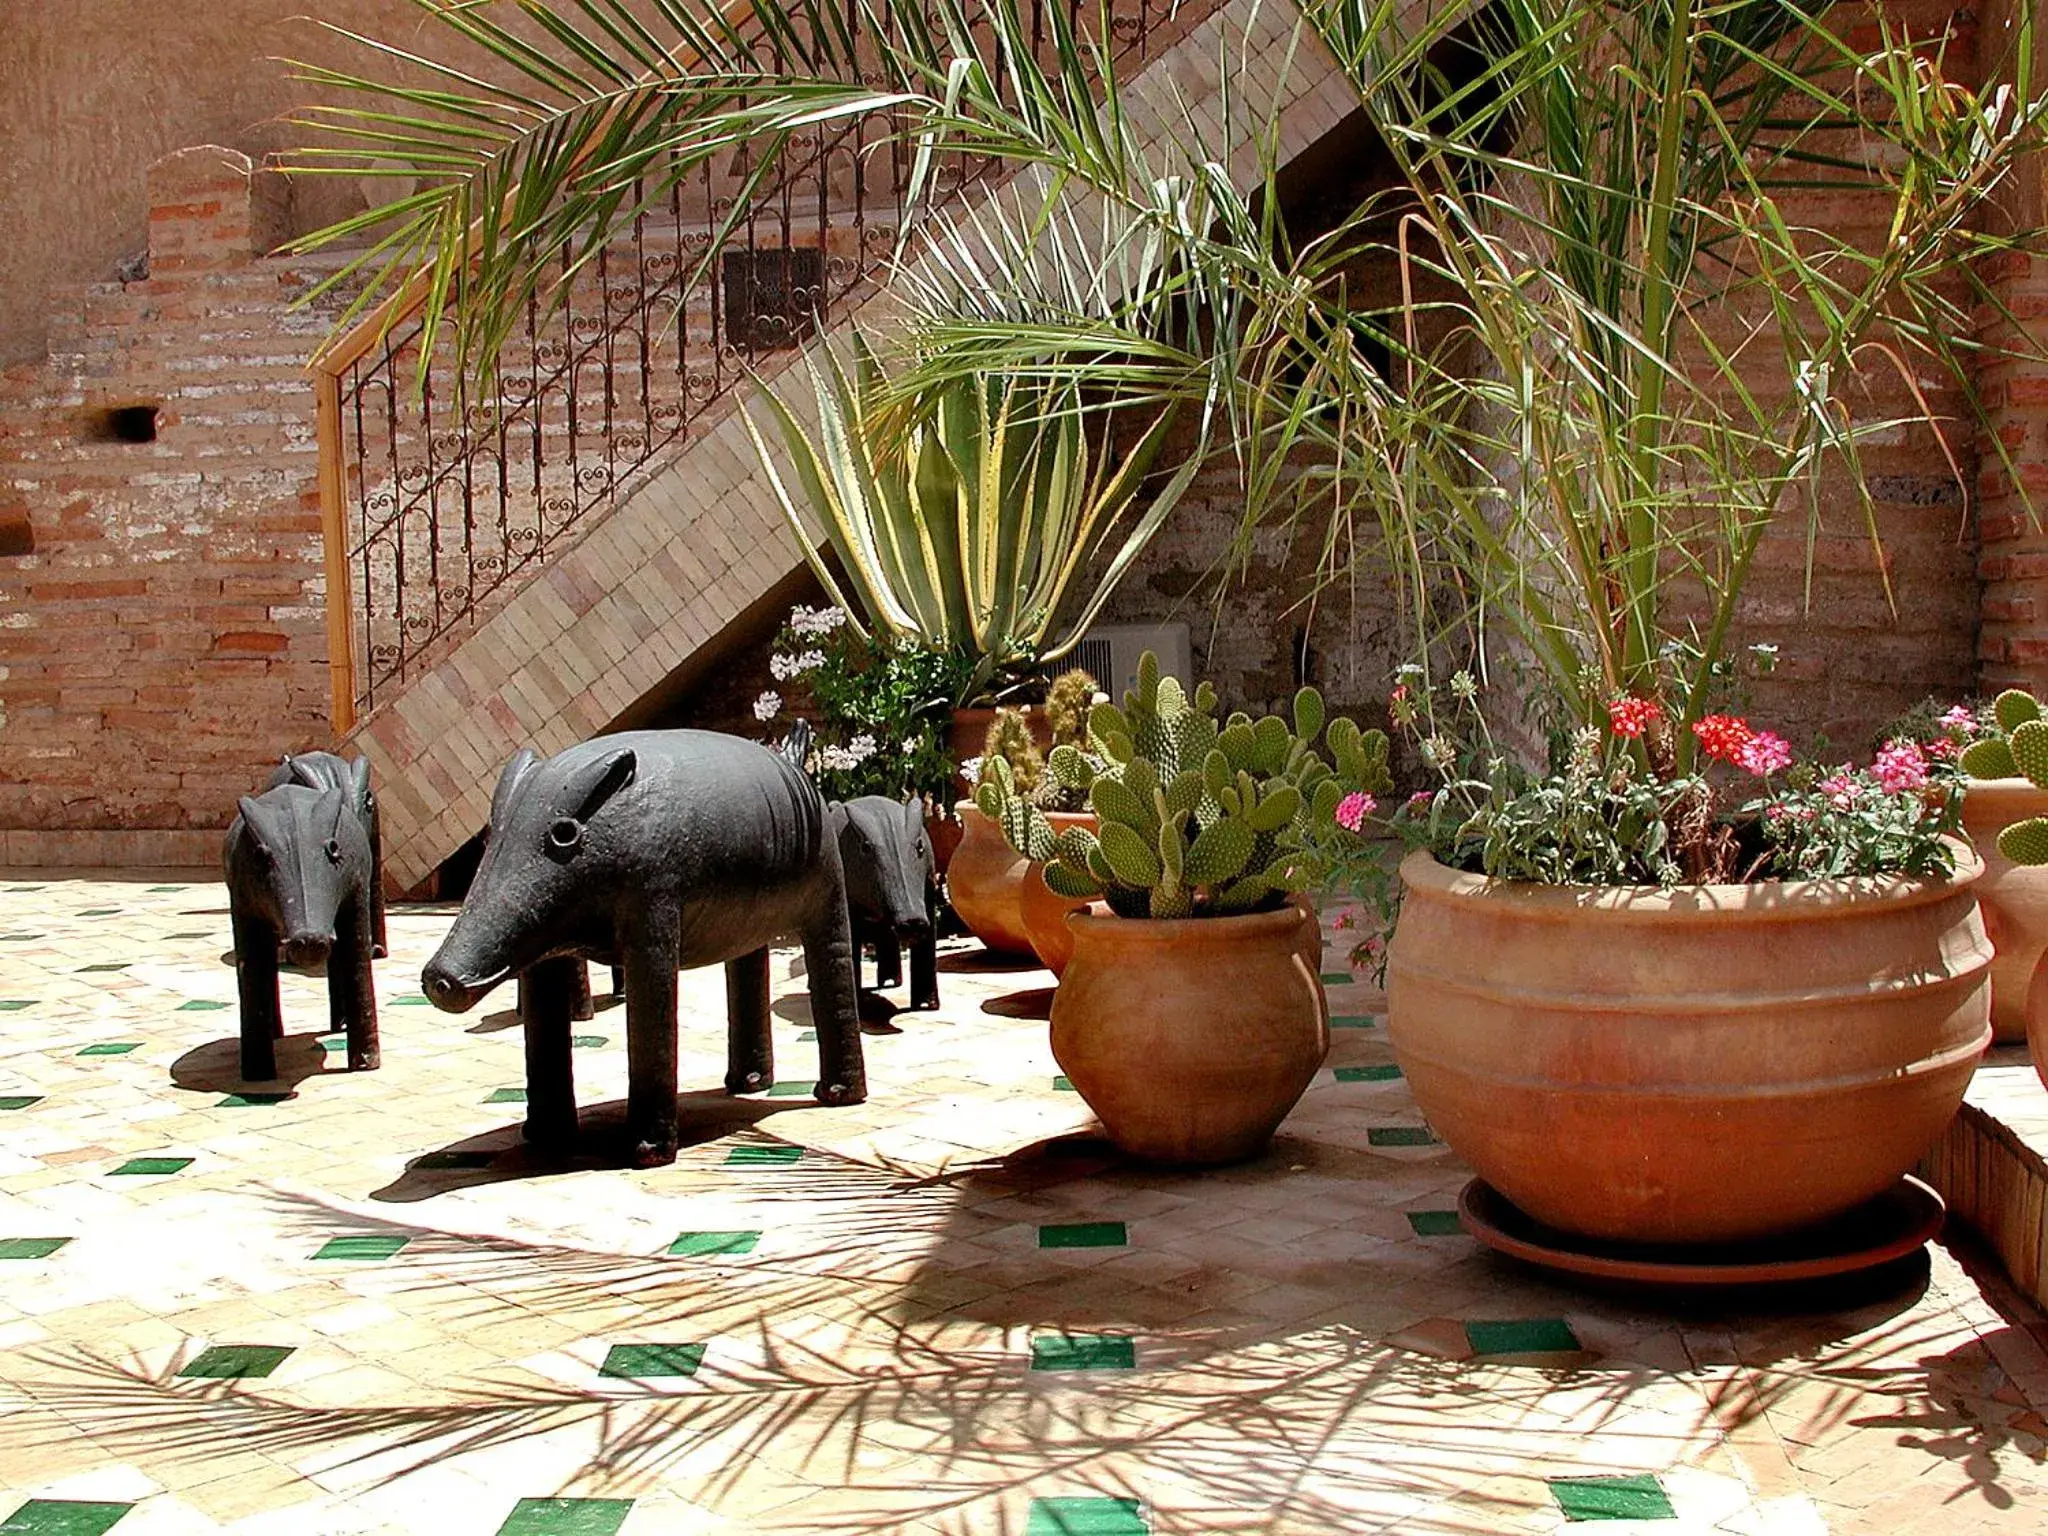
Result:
[[1889, 1227]]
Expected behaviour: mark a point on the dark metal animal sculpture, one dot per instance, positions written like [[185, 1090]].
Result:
[[300, 885], [892, 882], [324, 770], [655, 850]]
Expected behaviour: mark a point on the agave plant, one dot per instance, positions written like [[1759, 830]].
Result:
[[970, 518]]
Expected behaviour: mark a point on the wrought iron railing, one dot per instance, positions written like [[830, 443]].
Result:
[[435, 504]]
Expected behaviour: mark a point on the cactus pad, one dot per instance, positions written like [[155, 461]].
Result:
[[1989, 759], [2025, 842], [2029, 745], [2014, 708]]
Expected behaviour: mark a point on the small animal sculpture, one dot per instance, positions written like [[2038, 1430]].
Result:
[[300, 886], [324, 770], [892, 884], [656, 851]]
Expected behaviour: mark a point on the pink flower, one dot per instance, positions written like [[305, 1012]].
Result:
[[1944, 748], [1354, 808], [1840, 788], [1632, 716], [1723, 737], [1764, 754], [1901, 767], [1421, 800], [1958, 718]]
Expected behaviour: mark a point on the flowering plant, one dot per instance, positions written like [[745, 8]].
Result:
[[1616, 809], [880, 705]]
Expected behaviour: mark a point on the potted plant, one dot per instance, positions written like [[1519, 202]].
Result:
[[1646, 1014], [1013, 761], [985, 880], [1191, 1017]]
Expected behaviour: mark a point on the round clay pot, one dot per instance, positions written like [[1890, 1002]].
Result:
[[985, 883], [1706, 1064], [1045, 915], [2037, 1021], [2014, 897], [1190, 1039]]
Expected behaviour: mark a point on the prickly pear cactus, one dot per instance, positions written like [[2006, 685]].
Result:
[[1197, 818], [2023, 752]]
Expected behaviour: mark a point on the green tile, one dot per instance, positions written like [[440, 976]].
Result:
[[1063, 1084], [436, 1161], [19, 938], [1399, 1136], [1084, 1234], [165, 890], [691, 1245], [1609, 1498], [250, 1100], [155, 1165], [793, 1090], [1084, 1352], [25, 887], [30, 1247], [16, 1004], [237, 1362], [634, 1361], [808, 1037], [1385, 1073], [112, 1048], [62, 1517], [1435, 1223], [409, 1000], [752, 1154], [19, 1100], [588, 1042], [200, 1005], [197, 933], [98, 911], [1087, 1515], [1351, 1021], [335, 1046], [368, 1248], [107, 965], [506, 1096], [1336, 978], [566, 1517], [1522, 1336]]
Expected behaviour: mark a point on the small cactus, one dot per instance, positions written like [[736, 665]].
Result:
[[1195, 818], [2023, 752], [1068, 700], [1010, 741]]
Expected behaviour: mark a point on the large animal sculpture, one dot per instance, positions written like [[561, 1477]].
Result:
[[891, 889], [324, 770], [655, 851], [301, 888]]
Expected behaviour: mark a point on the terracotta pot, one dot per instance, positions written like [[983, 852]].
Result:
[[1191, 1039], [1045, 915], [2014, 897], [967, 735], [1707, 1064], [985, 883]]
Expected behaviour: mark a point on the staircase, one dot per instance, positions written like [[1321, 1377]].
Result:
[[527, 571]]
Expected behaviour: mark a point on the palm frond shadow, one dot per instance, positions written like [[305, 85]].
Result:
[[870, 1358]]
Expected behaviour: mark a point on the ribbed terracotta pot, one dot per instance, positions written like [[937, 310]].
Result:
[[1045, 915], [1706, 1064], [985, 883], [2014, 897], [2037, 1021], [1190, 1039]]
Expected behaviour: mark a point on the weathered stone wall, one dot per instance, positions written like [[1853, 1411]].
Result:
[[162, 632]]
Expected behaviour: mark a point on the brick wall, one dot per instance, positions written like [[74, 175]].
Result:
[[162, 639]]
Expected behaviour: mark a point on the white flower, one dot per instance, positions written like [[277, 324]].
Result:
[[838, 759], [782, 668], [810, 661], [816, 621], [970, 769], [768, 706], [862, 747]]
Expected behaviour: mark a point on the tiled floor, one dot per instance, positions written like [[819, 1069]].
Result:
[[359, 1307]]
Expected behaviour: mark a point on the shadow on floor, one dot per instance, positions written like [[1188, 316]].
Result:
[[1031, 1003], [501, 1155], [216, 1067]]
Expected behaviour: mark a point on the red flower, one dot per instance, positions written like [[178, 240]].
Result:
[[1723, 736], [1632, 716]]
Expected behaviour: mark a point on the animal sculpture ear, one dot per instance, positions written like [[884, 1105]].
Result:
[[597, 781], [359, 776], [254, 819], [301, 772], [523, 762]]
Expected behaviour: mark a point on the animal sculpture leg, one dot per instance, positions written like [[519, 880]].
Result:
[[835, 1001], [750, 1039], [650, 951], [547, 1010], [256, 986], [351, 983]]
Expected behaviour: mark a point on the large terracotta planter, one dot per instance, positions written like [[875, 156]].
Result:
[[1190, 1039], [1706, 1064], [985, 883], [2014, 897], [1045, 914]]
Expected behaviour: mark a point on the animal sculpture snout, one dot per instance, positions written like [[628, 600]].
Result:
[[305, 951], [445, 990]]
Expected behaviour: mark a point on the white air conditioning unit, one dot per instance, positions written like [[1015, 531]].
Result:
[[1110, 653]]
